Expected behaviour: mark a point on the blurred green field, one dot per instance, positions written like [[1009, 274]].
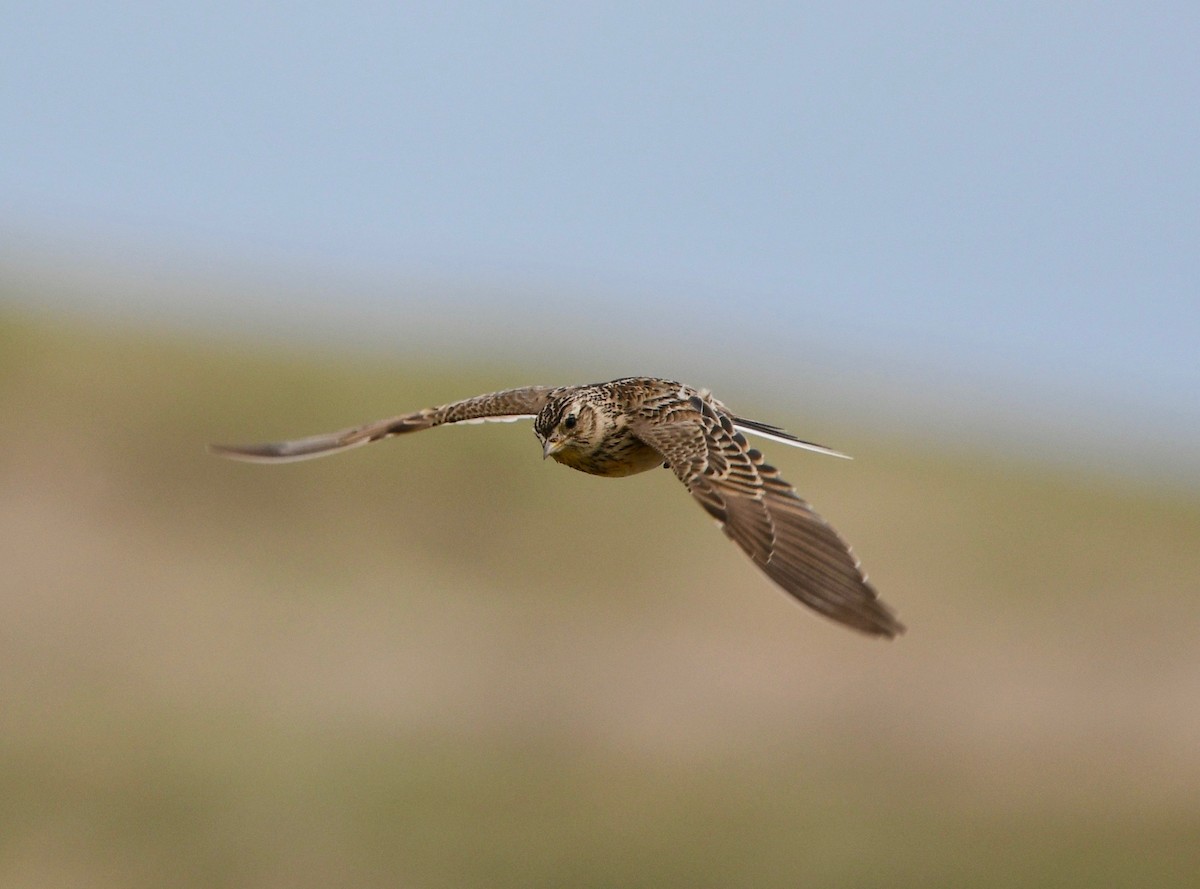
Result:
[[440, 662]]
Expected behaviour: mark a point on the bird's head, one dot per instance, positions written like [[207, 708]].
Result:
[[568, 428]]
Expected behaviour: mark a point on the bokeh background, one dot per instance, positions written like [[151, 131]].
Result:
[[958, 241]]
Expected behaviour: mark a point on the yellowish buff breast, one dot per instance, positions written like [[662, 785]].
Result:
[[630, 458]]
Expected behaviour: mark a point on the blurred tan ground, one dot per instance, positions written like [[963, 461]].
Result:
[[440, 662]]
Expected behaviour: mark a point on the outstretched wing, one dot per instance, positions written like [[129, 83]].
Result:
[[761, 512], [506, 406]]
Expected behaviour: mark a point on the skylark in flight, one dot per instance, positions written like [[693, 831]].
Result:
[[630, 425]]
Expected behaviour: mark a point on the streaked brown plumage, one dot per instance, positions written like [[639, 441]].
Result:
[[630, 425]]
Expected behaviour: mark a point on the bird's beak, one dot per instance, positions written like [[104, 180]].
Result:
[[550, 447]]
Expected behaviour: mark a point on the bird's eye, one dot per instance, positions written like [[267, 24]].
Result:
[[569, 422]]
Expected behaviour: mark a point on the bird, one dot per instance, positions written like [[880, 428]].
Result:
[[634, 424]]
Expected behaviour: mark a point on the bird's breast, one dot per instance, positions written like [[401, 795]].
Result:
[[613, 458]]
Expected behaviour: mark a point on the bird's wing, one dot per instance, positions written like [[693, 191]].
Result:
[[506, 406], [761, 512]]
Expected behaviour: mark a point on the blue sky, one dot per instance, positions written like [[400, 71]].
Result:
[[995, 206]]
